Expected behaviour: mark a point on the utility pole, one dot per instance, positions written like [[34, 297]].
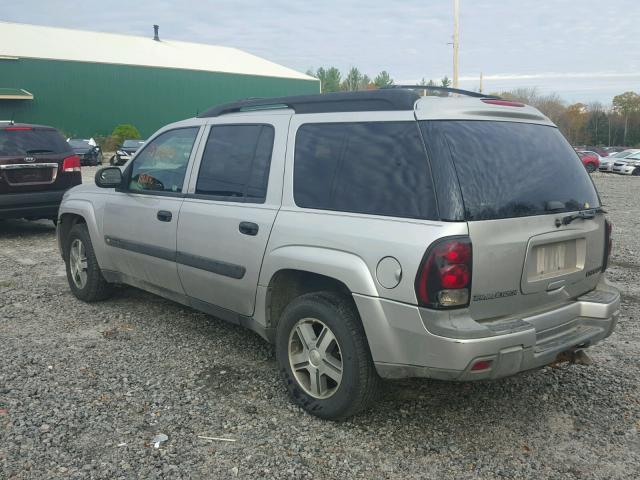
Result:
[[456, 14], [480, 82]]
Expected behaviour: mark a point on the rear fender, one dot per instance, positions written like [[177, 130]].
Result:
[[342, 266]]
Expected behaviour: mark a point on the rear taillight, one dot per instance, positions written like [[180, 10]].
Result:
[[71, 164], [503, 103], [608, 244], [444, 277]]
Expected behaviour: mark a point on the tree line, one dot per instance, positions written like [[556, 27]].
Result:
[[582, 123]]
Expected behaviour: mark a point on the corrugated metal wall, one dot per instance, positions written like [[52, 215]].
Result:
[[89, 99]]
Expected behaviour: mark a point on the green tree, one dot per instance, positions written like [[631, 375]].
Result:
[[383, 79], [353, 80], [125, 131], [330, 79], [627, 104], [445, 82], [366, 83]]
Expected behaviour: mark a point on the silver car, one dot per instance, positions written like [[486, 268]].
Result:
[[368, 235], [628, 166]]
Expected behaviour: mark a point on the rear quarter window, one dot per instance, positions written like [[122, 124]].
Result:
[[377, 168], [31, 142]]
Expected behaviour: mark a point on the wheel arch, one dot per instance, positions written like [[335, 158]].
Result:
[[74, 212], [289, 272]]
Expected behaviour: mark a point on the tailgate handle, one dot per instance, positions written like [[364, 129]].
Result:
[[555, 285]]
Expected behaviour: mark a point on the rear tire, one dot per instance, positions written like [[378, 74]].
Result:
[[83, 272], [324, 357]]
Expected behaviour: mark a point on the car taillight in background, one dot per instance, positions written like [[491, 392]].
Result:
[[608, 244], [444, 278], [71, 164]]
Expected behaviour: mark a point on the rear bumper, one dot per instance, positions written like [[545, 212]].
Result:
[[32, 204], [402, 346]]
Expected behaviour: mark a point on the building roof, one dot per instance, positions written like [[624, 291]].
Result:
[[32, 41]]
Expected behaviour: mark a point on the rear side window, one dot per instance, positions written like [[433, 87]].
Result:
[[32, 142], [509, 169], [377, 168], [235, 163]]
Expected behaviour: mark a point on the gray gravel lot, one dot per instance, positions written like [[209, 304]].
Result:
[[85, 388]]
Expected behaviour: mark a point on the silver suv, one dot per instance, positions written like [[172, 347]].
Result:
[[369, 235]]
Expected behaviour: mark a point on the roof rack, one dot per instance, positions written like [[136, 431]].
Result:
[[362, 101], [459, 91]]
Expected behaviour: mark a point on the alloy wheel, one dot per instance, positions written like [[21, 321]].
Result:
[[78, 263], [315, 358]]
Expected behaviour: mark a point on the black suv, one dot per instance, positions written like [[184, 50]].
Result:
[[37, 166], [89, 153]]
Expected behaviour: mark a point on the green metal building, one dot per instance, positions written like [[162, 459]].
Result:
[[86, 83]]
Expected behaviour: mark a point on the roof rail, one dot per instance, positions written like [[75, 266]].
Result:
[[362, 101], [459, 91]]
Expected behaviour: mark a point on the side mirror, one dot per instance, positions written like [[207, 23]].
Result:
[[109, 177]]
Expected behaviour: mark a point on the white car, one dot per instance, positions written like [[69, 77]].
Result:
[[628, 166], [607, 163]]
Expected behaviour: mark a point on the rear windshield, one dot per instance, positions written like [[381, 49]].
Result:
[[132, 143], [509, 169], [31, 142]]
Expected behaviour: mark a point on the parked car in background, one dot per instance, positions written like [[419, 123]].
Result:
[[625, 153], [37, 166], [590, 161], [602, 152], [87, 149], [628, 166], [325, 233], [615, 149], [606, 164], [125, 151]]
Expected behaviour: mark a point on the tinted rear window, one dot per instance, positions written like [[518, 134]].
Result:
[[377, 168], [31, 142], [235, 164], [508, 169]]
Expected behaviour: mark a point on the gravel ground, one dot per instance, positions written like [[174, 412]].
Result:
[[85, 388]]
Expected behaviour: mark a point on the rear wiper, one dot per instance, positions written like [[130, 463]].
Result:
[[583, 214]]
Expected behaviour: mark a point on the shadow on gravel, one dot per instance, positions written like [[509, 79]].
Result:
[[18, 228]]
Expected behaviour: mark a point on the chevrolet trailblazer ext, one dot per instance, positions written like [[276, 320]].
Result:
[[369, 235]]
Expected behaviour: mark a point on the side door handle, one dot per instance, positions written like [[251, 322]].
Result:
[[248, 228], [164, 215]]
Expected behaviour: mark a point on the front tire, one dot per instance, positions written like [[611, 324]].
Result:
[[83, 272], [591, 167], [324, 357], [636, 172]]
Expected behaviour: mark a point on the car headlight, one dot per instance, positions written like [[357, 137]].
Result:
[[121, 153]]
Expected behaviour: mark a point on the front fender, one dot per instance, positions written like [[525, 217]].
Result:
[[86, 210], [346, 267]]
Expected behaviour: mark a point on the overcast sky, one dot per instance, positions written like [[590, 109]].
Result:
[[585, 50]]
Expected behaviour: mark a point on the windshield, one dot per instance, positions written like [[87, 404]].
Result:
[[132, 143], [31, 142], [79, 143], [509, 169]]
